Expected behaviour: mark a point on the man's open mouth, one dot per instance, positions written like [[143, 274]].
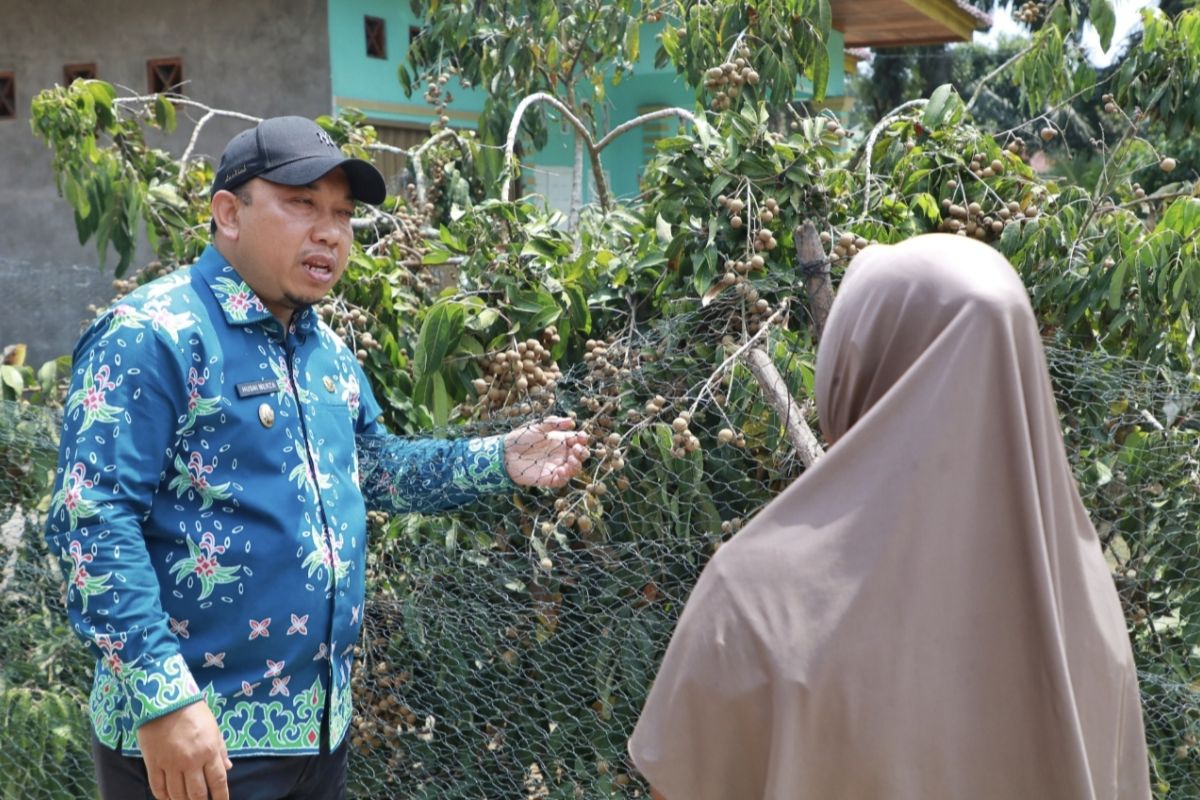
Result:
[[319, 268]]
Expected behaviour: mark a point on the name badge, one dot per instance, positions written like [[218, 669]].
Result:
[[255, 388]]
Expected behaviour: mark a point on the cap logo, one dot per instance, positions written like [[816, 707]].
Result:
[[323, 137]]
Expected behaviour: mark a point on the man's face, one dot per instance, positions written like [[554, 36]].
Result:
[[293, 241]]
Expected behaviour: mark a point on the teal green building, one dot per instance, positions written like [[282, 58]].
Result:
[[369, 40]]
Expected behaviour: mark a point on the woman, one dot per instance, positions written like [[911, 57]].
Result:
[[926, 614]]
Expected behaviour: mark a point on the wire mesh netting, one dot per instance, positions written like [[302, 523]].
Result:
[[508, 645]]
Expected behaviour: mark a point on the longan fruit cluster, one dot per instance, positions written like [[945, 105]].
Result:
[[603, 379], [380, 718], [973, 219], [683, 441], [122, 287], [726, 80], [349, 323], [519, 381], [846, 247], [983, 167], [1030, 12], [439, 97]]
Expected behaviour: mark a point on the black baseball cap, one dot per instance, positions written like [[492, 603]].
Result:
[[293, 151]]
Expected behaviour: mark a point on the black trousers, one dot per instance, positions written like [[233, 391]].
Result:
[[316, 777]]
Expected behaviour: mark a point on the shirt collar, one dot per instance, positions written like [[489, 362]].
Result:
[[238, 301]]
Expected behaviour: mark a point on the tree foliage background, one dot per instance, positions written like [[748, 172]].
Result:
[[509, 647]]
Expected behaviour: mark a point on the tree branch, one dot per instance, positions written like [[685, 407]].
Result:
[[777, 396], [625, 127], [414, 156], [984, 80], [511, 143], [869, 145]]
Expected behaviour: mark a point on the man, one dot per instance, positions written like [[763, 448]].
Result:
[[211, 508]]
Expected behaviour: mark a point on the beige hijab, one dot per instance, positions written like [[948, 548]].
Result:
[[926, 613]]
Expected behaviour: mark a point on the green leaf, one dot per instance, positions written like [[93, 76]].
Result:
[[77, 197], [820, 75], [632, 39], [450, 240], [1116, 286], [1099, 473], [102, 92], [47, 375], [663, 229], [484, 319], [1100, 12], [1183, 217], [440, 404], [942, 106], [164, 113], [929, 206], [824, 18], [912, 179], [11, 377], [440, 332]]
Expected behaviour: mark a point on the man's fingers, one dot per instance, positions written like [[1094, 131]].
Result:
[[176, 787], [158, 783], [218, 782], [196, 785]]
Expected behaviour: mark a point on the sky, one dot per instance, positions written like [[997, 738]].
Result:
[[1128, 20]]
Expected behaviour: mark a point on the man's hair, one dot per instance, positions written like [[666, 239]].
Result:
[[243, 194]]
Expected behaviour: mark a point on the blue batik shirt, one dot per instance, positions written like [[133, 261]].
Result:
[[210, 510]]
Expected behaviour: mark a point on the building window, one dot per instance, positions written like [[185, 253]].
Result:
[[654, 130], [376, 30], [74, 72], [8, 95], [164, 75]]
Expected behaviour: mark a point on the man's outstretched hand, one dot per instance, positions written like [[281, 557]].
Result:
[[547, 453]]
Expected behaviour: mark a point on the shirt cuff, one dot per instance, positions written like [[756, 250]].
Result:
[[489, 472], [157, 691]]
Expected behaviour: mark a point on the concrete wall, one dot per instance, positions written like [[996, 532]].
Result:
[[266, 57]]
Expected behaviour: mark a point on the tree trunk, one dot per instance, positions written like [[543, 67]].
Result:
[[814, 267]]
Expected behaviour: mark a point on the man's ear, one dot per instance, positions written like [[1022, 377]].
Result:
[[225, 208]]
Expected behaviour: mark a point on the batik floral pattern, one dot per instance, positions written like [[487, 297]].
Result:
[[91, 398], [289, 390], [238, 299], [163, 319], [326, 557], [192, 479], [70, 497], [308, 476], [202, 565], [197, 405], [81, 581], [123, 315]]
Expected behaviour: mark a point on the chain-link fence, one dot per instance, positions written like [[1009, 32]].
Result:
[[508, 646]]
